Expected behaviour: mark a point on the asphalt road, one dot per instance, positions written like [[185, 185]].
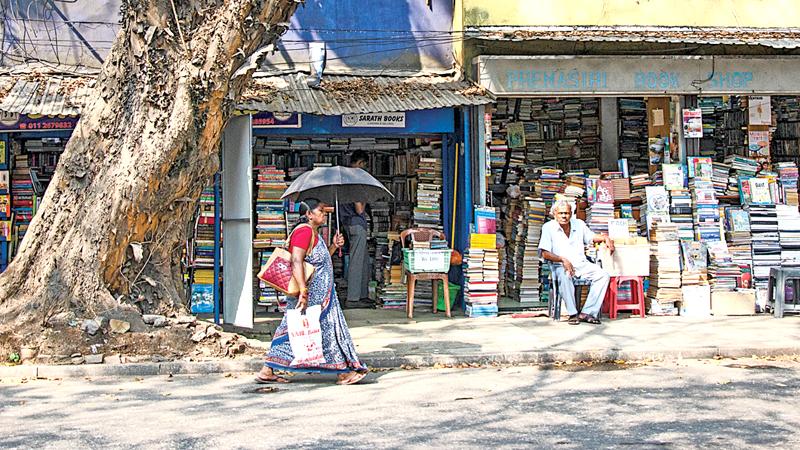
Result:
[[689, 404]]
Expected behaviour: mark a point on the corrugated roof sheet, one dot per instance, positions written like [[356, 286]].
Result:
[[58, 95], [784, 38], [50, 95], [340, 94]]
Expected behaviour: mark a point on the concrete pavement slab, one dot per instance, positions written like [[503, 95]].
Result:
[[387, 339]]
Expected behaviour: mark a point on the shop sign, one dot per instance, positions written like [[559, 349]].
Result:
[[277, 120], [645, 75], [24, 122], [374, 120]]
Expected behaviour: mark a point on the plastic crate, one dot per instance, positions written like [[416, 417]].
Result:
[[426, 260]]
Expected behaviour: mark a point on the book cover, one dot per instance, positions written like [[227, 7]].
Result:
[[760, 193], [626, 211], [485, 220], [695, 166], [739, 220], [605, 191], [657, 199], [591, 190], [673, 176]]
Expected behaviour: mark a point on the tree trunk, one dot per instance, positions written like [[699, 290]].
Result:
[[108, 236]]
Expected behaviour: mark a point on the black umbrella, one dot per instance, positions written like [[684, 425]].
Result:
[[334, 184]]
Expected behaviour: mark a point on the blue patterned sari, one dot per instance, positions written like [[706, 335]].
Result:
[[337, 345]]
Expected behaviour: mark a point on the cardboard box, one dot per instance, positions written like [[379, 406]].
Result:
[[696, 301], [733, 303], [627, 260]]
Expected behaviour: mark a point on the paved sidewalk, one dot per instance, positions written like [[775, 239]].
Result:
[[536, 340], [388, 339]]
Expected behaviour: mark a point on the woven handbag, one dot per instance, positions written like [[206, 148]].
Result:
[[277, 272]]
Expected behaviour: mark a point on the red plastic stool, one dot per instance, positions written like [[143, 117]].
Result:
[[612, 305]]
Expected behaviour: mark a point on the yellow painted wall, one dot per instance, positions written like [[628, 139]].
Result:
[[722, 13]]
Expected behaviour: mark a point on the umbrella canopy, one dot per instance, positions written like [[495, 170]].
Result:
[[329, 184]]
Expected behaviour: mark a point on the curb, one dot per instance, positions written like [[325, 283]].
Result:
[[393, 361]]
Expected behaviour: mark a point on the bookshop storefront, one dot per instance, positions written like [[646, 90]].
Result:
[[413, 152], [560, 122], [30, 146]]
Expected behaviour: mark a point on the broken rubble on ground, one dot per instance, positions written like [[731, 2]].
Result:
[[90, 326], [119, 326]]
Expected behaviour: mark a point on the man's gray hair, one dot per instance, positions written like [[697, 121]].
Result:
[[558, 204]]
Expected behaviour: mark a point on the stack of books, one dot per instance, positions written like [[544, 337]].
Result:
[[788, 178], [665, 269], [530, 281], [480, 282], [639, 183], [766, 242], [428, 210], [270, 211], [681, 213], [720, 177], [23, 198], [621, 185], [722, 270], [706, 215], [740, 242], [789, 232]]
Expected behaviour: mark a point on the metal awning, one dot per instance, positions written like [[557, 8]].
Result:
[[47, 95], [63, 95], [340, 94], [779, 38]]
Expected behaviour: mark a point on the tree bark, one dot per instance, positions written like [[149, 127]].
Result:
[[108, 236]]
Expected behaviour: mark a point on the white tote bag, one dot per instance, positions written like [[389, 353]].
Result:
[[305, 336]]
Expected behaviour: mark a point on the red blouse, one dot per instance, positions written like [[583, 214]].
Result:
[[301, 237]]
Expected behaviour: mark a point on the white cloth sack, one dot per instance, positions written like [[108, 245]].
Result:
[[305, 336]]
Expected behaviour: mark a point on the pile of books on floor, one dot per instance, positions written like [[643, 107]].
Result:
[[428, 210], [530, 285], [789, 231], [766, 242], [722, 271], [665, 269], [740, 241], [481, 275], [393, 292]]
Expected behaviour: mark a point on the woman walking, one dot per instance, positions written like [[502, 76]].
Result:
[[306, 245]]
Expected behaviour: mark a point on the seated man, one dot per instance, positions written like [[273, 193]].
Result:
[[562, 242]]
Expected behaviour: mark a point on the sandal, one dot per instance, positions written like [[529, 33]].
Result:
[[353, 379], [589, 319], [573, 320], [272, 379]]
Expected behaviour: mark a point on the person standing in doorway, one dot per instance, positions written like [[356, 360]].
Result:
[[354, 220]]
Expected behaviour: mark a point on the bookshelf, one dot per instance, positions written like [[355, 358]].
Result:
[[785, 141]]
